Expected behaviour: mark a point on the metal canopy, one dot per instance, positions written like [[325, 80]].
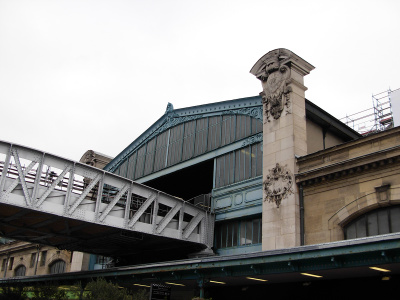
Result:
[[342, 260]]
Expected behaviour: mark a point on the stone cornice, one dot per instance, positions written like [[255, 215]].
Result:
[[361, 155], [349, 167], [15, 247], [394, 132], [286, 57]]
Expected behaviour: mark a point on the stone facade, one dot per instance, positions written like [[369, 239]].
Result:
[[36, 259], [336, 180], [343, 182]]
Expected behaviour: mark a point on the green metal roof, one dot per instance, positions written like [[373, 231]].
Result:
[[349, 255]]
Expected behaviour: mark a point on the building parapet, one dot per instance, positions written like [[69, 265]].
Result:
[[356, 156]]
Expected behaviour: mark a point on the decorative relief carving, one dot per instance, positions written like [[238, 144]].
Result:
[[383, 193], [278, 184], [274, 76], [254, 112], [253, 139], [170, 108]]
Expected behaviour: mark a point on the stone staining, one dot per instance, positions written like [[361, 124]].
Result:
[[278, 184], [275, 76]]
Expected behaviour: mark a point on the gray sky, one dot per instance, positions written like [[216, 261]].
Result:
[[92, 74]]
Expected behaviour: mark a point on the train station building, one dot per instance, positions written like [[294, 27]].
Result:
[[302, 204]]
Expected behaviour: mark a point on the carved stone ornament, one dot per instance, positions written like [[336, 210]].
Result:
[[253, 139], [274, 71], [278, 184], [170, 108], [276, 92]]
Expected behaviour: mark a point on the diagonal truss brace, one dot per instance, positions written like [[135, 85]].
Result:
[[192, 225], [111, 205], [141, 210], [16, 181], [164, 222], [84, 193], [4, 172], [21, 176], [53, 186]]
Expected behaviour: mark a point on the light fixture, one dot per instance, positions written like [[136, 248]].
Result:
[[219, 282], [259, 279], [379, 269], [312, 275], [141, 285], [385, 278], [180, 284]]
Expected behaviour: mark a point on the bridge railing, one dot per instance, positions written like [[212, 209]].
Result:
[[44, 182]]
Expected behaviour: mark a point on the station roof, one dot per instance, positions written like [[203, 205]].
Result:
[[251, 106], [276, 266]]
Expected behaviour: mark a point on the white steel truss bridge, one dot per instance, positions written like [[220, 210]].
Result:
[[46, 199]]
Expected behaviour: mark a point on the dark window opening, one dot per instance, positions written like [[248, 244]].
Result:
[[20, 270], [4, 264], [33, 260], [43, 258], [10, 263], [57, 267]]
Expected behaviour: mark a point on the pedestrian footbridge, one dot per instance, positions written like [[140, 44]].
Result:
[[50, 200]]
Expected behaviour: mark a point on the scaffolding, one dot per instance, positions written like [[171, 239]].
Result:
[[377, 118]]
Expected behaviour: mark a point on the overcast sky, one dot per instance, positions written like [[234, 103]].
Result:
[[92, 74]]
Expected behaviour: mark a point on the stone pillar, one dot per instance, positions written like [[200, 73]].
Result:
[[284, 137]]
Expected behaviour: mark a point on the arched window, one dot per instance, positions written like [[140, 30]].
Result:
[[57, 267], [20, 270], [376, 222]]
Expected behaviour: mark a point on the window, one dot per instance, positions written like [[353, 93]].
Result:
[[43, 258], [235, 233], [380, 221], [33, 260], [4, 263], [20, 270], [104, 261], [10, 263], [57, 267], [239, 165]]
